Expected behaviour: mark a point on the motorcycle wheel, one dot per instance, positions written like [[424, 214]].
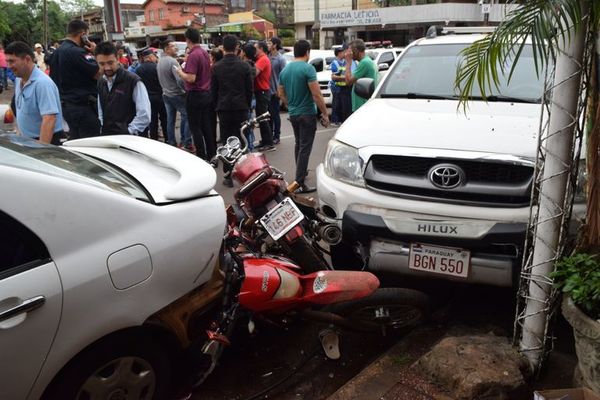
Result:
[[387, 310], [309, 258]]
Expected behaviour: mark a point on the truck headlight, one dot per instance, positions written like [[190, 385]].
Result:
[[343, 163], [582, 177]]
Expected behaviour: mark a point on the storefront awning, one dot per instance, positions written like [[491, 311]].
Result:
[[230, 27]]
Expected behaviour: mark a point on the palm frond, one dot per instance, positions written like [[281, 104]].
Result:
[[546, 23]]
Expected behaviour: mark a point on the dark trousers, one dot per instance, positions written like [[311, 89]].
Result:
[[229, 125], [262, 106], [158, 112], [198, 110], [305, 127], [213, 123], [82, 120], [274, 105], [345, 103]]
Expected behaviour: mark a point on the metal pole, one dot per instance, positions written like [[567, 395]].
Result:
[[562, 124]]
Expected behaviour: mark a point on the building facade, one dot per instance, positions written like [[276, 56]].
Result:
[[96, 20], [329, 22]]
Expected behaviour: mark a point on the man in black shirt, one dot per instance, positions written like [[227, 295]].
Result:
[[75, 72], [149, 74], [231, 90]]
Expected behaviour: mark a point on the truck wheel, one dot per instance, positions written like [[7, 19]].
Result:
[[386, 310], [124, 367]]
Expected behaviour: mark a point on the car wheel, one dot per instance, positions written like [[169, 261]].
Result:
[[122, 368]]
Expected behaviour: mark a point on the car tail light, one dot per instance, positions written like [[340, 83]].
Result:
[[9, 117]]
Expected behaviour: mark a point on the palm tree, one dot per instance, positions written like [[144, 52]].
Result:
[[553, 28]]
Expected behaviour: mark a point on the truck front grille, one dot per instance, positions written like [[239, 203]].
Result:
[[485, 182]]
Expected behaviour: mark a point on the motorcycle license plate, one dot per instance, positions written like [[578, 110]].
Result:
[[282, 218], [439, 260]]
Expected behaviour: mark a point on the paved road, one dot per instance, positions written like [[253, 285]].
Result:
[[283, 157]]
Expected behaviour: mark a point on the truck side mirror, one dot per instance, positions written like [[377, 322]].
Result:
[[364, 87]]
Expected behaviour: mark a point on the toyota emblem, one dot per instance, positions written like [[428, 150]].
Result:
[[446, 176]]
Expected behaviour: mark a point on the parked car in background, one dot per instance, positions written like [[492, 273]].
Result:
[[431, 192], [97, 238]]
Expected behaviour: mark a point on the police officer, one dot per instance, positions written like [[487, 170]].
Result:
[[75, 72], [149, 74]]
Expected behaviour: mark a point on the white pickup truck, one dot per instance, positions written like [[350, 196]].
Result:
[[423, 189]]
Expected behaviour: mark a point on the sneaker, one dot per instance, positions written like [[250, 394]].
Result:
[[303, 189], [264, 149], [276, 141], [228, 182]]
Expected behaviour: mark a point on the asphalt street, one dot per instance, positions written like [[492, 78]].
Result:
[[283, 157]]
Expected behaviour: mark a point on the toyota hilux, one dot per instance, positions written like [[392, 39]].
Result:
[[424, 188]]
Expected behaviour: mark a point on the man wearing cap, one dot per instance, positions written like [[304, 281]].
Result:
[[341, 90], [39, 57], [37, 103], [149, 74], [277, 65]]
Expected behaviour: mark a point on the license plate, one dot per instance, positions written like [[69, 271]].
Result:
[[439, 260], [281, 219]]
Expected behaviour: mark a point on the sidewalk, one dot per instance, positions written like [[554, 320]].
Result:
[[390, 377]]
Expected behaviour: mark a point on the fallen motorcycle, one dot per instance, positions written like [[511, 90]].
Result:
[[273, 220]]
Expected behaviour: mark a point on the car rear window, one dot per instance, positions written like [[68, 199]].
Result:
[[20, 152]]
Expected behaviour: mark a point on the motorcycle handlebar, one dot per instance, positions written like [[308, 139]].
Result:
[[255, 182]]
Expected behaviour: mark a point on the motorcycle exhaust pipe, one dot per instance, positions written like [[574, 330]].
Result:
[[330, 233]]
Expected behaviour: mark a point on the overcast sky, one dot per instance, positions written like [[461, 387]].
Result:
[[98, 2]]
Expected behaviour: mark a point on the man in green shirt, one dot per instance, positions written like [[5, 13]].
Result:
[[366, 69], [299, 90]]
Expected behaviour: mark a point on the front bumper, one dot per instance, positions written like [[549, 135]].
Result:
[[387, 225]]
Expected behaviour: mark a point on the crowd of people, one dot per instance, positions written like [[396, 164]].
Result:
[[94, 89]]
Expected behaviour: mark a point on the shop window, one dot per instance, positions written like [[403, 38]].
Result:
[[161, 14]]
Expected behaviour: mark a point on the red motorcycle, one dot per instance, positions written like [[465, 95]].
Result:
[[271, 219]]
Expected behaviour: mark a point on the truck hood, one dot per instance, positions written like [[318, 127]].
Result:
[[503, 128]]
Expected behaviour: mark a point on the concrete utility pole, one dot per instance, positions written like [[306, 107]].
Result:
[[546, 246]]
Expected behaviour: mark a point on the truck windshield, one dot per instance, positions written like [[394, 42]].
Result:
[[429, 71]]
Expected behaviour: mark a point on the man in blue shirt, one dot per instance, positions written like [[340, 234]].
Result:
[[37, 101]]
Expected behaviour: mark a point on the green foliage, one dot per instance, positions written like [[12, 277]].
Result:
[[578, 276], [26, 21], [546, 23], [249, 33], [267, 14], [286, 33]]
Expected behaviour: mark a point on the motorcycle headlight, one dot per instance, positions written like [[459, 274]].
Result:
[[581, 189], [343, 163]]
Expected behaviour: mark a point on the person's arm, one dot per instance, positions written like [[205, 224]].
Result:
[[86, 62], [47, 128], [249, 83], [350, 77], [315, 90], [190, 65], [100, 115], [282, 95], [142, 110]]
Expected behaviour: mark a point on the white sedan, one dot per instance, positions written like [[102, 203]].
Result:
[[96, 238]]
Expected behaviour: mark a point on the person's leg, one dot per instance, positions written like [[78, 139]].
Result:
[[162, 116], [274, 110], [193, 107], [82, 120], [153, 128], [171, 111], [204, 110], [345, 102], [307, 127], [184, 127], [296, 129], [336, 109], [3, 78], [262, 106]]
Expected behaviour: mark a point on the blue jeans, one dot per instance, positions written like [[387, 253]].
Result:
[[275, 117], [3, 79], [173, 105]]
